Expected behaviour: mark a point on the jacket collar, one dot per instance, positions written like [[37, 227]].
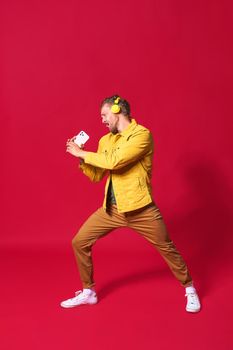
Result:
[[129, 129]]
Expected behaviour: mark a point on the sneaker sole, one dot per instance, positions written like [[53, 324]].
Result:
[[70, 306], [193, 311]]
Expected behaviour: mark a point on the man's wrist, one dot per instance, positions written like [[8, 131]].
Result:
[[82, 155]]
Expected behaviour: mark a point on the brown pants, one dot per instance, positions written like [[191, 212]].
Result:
[[147, 221]]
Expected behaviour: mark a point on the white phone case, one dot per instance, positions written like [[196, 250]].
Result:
[[81, 138]]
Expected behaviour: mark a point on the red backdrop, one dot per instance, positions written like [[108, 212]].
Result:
[[172, 60]]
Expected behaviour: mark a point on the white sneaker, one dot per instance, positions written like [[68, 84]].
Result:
[[193, 302], [82, 297]]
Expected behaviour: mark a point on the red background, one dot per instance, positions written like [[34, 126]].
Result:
[[172, 60]]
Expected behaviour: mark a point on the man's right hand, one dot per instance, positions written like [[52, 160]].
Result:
[[72, 139]]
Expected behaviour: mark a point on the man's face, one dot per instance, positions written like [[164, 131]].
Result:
[[109, 118]]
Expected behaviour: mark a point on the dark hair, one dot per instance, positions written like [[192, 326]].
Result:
[[124, 105]]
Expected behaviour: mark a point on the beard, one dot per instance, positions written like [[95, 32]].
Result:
[[114, 130]]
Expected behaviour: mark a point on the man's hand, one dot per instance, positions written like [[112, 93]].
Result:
[[74, 149]]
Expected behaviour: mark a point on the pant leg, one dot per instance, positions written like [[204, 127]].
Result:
[[149, 223], [97, 225]]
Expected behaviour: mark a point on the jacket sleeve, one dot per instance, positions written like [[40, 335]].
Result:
[[128, 152], [94, 173]]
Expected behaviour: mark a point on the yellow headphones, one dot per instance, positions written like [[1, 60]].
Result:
[[116, 108]]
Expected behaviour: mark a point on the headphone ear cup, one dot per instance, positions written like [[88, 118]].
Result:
[[115, 109]]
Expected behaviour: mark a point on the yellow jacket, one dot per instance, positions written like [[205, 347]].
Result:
[[127, 158]]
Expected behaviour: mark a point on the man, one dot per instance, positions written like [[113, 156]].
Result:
[[125, 154]]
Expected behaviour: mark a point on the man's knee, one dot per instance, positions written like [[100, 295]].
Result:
[[166, 247], [76, 242], [80, 241]]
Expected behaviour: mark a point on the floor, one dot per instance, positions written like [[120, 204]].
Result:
[[141, 305]]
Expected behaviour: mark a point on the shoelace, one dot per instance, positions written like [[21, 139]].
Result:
[[76, 295], [193, 296], [78, 292]]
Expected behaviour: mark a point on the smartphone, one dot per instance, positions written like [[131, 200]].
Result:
[[81, 138]]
